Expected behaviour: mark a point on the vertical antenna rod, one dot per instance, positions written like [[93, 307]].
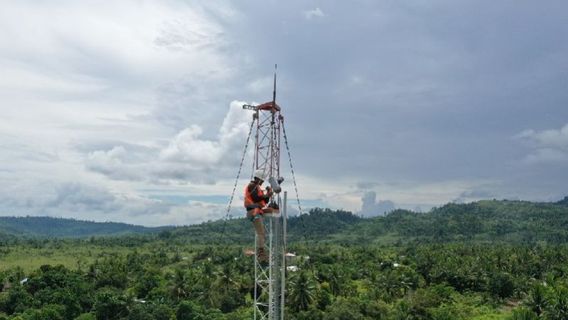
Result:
[[274, 92]]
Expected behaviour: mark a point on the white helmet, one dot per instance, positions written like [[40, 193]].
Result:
[[259, 173]]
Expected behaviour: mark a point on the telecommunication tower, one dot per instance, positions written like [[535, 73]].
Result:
[[269, 291]]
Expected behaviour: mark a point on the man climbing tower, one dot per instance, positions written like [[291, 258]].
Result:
[[256, 201]]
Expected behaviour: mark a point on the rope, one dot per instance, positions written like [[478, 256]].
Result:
[[304, 236], [291, 167], [236, 181]]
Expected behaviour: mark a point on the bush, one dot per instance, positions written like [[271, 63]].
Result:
[[110, 304], [86, 316], [523, 314]]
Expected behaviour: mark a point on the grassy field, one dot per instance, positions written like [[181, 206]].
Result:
[[71, 256]]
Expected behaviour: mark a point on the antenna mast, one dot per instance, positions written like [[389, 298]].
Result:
[[269, 291]]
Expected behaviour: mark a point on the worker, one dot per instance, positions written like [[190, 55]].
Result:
[[256, 201]]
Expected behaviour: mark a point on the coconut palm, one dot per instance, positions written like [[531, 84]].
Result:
[[302, 291]]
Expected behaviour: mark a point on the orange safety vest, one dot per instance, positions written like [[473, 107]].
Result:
[[249, 203]]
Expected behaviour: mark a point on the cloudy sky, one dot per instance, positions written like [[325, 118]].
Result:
[[131, 111]]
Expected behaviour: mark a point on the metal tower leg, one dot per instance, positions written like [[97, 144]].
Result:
[[284, 249], [270, 279]]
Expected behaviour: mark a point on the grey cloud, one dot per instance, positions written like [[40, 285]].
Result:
[[366, 185], [417, 97], [209, 211], [401, 93], [94, 202], [477, 194], [120, 163], [82, 198], [547, 156], [474, 195], [14, 150], [181, 173], [135, 151]]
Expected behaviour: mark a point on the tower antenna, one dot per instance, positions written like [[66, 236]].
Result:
[[274, 92], [269, 278]]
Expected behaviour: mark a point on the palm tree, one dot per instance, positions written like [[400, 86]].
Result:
[[302, 291], [225, 278], [335, 281], [557, 307], [179, 285], [537, 299]]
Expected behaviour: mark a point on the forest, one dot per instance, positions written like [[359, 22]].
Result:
[[482, 260]]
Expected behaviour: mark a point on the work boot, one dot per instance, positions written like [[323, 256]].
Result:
[[262, 257]]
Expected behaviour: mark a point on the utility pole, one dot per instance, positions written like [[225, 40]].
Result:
[[269, 291]]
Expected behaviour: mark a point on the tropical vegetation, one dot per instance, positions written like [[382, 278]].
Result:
[[483, 260]]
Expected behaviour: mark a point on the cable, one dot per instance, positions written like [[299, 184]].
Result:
[[304, 236], [236, 181], [291, 167]]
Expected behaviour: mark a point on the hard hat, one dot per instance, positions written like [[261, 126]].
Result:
[[259, 174]]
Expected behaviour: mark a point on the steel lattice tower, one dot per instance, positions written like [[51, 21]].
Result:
[[269, 291]]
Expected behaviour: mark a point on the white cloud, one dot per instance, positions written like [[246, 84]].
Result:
[[188, 146], [549, 146], [552, 138], [128, 41], [314, 13], [370, 207], [82, 101], [188, 156], [85, 65]]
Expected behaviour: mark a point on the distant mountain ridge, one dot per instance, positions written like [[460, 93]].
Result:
[[482, 221], [563, 202], [32, 226]]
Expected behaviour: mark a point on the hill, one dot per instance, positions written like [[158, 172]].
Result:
[[483, 221], [67, 228], [563, 202], [318, 224]]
